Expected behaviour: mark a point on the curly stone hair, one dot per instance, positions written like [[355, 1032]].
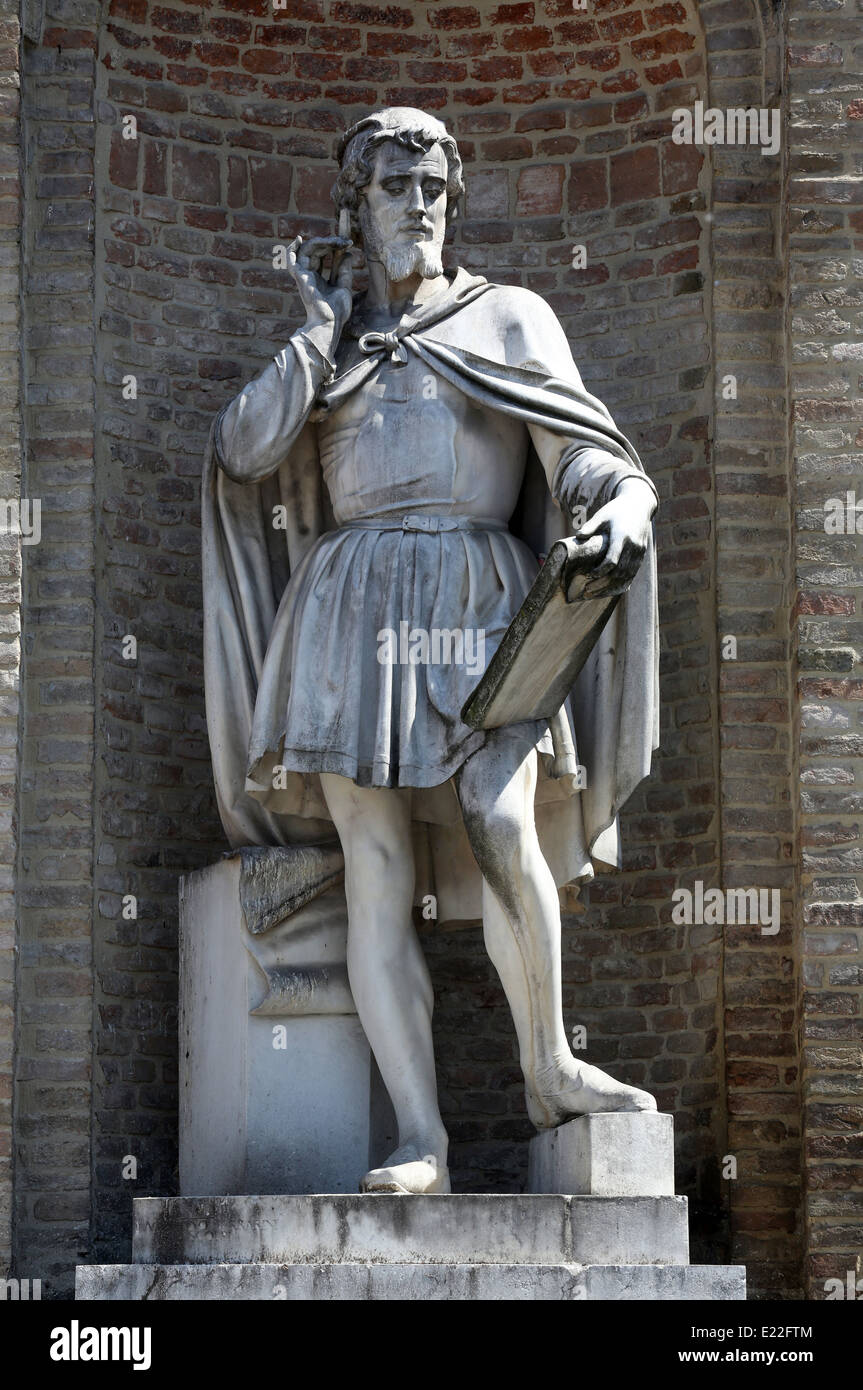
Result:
[[407, 126]]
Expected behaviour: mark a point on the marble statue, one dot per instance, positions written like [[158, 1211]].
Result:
[[397, 471]]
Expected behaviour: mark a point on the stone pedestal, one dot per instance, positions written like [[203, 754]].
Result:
[[281, 1095], [278, 1088], [605, 1156], [385, 1247]]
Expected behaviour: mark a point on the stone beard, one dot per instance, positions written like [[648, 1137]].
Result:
[[400, 262], [422, 489]]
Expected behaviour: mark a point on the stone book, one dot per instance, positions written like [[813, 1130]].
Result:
[[547, 643]]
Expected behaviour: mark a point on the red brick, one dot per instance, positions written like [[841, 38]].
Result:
[[266, 60], [632, 108], [433, 98], [588, 185], [684, 259], [155, 167], [339, 40], [626, 81], [656, 46], [475, 96], [436, 72], [577, 31], [323, 67], [123, 161], [496, 69], [175, 21], [171, 47], [217, 55], [370, 70], [576, 90], [681, 166], [464, 45], [314, 187], [512, 14], [390, 16], [233, 30], [600, 59], [194, 176], [622, 26], [238, 182], [662, 73], [634, 175], [58, 37], [635, 270], [541, 120], [279, 35], [186, 77], [385, 45], [453, 17], [527, 93], [825, 603], [539, 191], [522, 40], [510, 148], [133, 10], [666, 14]]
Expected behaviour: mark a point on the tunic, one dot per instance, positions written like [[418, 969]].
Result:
[[405, 452]]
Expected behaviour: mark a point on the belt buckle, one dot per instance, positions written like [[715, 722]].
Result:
[[419, 523]]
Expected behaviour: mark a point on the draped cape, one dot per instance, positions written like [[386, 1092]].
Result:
[[577, 458]]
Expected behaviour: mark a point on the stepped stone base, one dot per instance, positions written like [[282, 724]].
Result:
[[385, 1246], [375, 1283]]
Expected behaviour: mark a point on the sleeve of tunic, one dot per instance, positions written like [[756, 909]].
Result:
[[256, 432]]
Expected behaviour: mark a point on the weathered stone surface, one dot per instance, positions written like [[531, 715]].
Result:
[[373, 1283], [461, 1229], [605, 1155], [278, 1089]]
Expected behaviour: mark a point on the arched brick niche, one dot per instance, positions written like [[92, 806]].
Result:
[[564, 121]]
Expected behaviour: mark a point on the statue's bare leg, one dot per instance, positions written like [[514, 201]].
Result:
[[521, 921], [389, 977]]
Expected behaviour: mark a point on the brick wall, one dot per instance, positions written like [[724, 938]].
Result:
[[825, 60], [53, 1070], [10, 585], [754, 601]]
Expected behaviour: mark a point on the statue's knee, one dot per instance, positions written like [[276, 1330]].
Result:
[[497, 838], [378, 872]]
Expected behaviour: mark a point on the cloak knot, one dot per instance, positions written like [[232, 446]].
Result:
[[384, 342]]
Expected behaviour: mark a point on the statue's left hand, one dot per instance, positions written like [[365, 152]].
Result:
[[626, 519]]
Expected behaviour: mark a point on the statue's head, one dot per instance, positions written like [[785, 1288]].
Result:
[[400, 180]]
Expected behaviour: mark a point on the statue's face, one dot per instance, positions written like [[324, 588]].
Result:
[[402, 210]]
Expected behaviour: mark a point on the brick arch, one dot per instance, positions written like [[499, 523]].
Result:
[[755, 597]]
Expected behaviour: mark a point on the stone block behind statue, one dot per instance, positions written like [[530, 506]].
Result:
[[420, 447]]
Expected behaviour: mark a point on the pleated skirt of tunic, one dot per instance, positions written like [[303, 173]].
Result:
[[346, 686]]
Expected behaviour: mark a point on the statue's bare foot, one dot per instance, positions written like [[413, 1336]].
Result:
[[408, 1170], [575, 1088]]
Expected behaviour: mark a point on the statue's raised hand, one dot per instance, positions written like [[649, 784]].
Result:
[[325, 292]]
